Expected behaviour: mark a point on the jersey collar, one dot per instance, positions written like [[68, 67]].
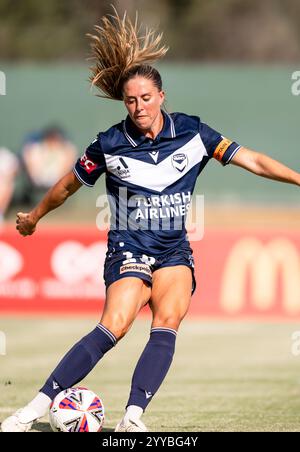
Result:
[[136, 138]]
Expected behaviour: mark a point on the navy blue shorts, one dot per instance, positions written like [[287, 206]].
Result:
[[121, 264]]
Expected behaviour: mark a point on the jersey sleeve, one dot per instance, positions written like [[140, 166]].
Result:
[[217, 146], [91, 165]]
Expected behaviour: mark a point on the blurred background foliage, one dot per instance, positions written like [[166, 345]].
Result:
[[207, 30]]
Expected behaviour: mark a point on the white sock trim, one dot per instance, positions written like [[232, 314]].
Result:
[[108, 333], [163, 330]]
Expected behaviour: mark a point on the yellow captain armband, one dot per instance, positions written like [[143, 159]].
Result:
[[221, 149]]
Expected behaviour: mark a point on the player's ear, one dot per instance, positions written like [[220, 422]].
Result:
[[162, 97]]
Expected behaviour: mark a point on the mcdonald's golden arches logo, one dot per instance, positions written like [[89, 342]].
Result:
[[266, 268]]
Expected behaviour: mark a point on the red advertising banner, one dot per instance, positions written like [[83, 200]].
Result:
[[239, 274]]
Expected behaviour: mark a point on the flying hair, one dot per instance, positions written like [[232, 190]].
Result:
[[120, 50]]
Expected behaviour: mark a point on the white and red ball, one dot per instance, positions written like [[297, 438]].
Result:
[[76, 410]]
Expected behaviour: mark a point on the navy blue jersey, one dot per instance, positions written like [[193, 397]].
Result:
[[149, 182]]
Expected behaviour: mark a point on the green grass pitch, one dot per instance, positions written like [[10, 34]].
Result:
[[226, 376]]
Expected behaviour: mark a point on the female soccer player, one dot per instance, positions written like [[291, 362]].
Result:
[[151, 160]]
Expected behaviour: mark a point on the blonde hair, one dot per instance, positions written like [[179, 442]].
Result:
[[119, 51]]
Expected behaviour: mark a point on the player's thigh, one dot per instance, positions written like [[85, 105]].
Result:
[[171, 295], [124, 300]]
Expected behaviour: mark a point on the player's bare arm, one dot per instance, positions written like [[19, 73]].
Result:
[[55, 197], [262, 165]]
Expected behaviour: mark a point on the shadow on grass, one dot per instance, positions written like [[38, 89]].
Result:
[[42, 427], [45, 427]]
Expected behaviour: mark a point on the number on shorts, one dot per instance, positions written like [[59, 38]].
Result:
[[129, 258], [148, 260]]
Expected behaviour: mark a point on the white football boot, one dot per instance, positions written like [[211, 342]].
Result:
[[20, 421], [131, 425]]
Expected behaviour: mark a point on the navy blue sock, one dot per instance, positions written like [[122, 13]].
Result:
[[152, 366], [79, 361]]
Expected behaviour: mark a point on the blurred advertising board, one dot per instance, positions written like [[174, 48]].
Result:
[[254, 274]]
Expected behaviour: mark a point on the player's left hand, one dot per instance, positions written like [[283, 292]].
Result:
[[25, 224]]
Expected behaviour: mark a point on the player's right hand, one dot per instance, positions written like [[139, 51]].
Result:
[[25, 224]]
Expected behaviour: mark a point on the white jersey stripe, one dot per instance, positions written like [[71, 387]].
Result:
[[233, 154], [173, 133], [131, 141], [163, 174], [80, 179]]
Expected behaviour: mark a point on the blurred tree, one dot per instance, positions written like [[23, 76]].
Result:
[[219, 30], [178, 8], [238, 30], [32, 29]]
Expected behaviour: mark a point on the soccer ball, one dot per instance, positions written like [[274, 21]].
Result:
[[76, 410]]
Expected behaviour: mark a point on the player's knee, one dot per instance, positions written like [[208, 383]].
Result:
[[167, 320], [118, 324]]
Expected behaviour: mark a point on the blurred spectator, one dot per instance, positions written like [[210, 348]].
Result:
[[47, 156], [9, 166]]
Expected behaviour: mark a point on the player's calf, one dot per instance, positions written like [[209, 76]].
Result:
[[152, 366], [79, 361]]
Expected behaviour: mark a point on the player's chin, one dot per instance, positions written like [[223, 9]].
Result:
[[143, 123]]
